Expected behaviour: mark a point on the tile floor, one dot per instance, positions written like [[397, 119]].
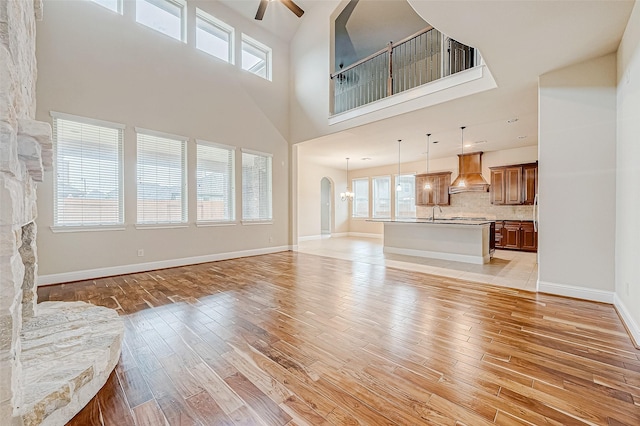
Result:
[[508, 268]]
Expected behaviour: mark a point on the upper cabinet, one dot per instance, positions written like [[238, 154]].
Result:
[[433, 189], [515, 184]]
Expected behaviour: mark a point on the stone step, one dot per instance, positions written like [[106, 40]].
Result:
[[69, 349]]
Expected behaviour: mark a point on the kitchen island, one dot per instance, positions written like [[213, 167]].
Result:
[[460, 240]]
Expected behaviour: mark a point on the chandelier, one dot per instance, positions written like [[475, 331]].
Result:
[[347, 195]]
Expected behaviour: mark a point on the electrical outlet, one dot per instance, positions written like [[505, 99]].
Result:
[[140, 252], [270, 239]]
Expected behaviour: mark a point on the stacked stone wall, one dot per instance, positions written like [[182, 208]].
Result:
[[23, 144]]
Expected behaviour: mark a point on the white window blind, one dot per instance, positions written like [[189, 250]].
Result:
[[406, 197], [360, 205], [256, 57], [214, 36], [88, 172], [381, 197], [256, 187], [215, 175], [165, 16], [162, 194]]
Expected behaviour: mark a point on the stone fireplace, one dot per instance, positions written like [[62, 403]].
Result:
[[54, 356]]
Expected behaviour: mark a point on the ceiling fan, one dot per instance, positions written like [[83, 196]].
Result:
[[288, 3]]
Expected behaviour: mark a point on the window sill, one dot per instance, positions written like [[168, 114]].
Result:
[[257, 222], [161, 225], [360, 218], [88, 228], [205, 223]]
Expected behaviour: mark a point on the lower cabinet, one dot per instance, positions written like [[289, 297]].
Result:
[[516, 235]]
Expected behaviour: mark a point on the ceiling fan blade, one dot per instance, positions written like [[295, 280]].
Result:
[[261, 9], [293, 7]]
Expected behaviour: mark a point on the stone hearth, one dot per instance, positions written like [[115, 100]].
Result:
[[54, 356]]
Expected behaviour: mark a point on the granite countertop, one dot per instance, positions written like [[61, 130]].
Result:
[[441, 221]]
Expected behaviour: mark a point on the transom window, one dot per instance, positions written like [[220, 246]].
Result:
[[406, 196], [214, 36], [88, 171], [115, 5], [256, 186], [165, 16], [360, 205], [161, 171], [381, 197], [215, 176], [256, 57]]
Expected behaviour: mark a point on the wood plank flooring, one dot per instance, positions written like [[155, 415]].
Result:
[[298, 339]]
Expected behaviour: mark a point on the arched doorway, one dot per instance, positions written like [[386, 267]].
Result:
[[325, 207]]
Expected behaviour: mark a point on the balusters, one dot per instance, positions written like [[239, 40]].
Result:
[[421, 59]]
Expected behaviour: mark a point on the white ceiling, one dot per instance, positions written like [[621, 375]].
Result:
[[519, 41]]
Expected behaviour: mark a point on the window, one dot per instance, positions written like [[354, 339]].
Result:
[[115, 5], [406, 196], [215, 176], [166, 16], [88, 172], [256, 186], [256, 57], [214, 36], [381, 197], [361, 197], [162, 195]]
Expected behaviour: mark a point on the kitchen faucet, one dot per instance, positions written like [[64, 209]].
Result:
[[433, 212]]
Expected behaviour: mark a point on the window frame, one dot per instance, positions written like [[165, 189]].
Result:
[[232, 184], [89, 226], [181, 4], [220, 25], [255, 44], [261, 220], [397, 181], [374, 197], [355, 198], [183, 140]]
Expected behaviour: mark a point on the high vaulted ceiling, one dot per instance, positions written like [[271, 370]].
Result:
[[519, 41]]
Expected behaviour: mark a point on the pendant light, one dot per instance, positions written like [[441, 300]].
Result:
[[461, 171], [347, 195], [427, 184], [399, 187]]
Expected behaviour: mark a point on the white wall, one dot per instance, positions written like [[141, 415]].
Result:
[[628, 176], [577, 180], [310, 175], [95, 63]]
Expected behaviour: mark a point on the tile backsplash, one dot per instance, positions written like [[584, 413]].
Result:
[[477, 204]]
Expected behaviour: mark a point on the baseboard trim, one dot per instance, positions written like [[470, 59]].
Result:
[[364, 235], [339, 234], [627, 319], [576, 292], [87, 274]]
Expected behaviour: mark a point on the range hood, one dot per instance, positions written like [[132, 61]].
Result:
[[470, 178]]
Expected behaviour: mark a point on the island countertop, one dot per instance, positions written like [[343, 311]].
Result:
[[442, 221]]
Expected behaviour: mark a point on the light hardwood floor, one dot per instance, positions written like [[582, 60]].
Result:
[[295, 338]]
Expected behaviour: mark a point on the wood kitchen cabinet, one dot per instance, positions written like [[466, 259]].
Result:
[[514, 185], [438, 193], [516, 235]]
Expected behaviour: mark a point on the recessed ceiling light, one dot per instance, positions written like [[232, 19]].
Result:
[[435, 141], [468, 145], [479, 142], [522, 137], [365, 158], [512, 120]]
